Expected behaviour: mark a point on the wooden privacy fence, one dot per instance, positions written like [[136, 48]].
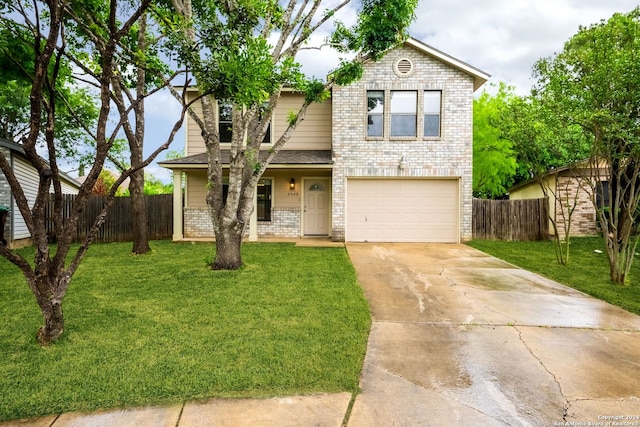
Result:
[[510, 219], [118, 225]]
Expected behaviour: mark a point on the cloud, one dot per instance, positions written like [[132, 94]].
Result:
[[505, 39], [502, 38]]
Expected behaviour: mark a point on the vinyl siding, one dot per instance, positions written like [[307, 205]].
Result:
[[28, 179], [313, 133], [196, 189], [283, 197]]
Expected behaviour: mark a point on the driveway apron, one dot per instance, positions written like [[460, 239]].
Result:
[[462, 338]]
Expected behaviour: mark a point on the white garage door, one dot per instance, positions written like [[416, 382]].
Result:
[[402, 210]]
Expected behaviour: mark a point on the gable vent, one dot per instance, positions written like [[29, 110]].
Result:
[[404, 67]]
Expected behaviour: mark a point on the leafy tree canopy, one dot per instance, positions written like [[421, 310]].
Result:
[[494, 161], [593, 85], [76, 107]]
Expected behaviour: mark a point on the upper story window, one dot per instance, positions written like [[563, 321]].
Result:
[[267, 135], [404, 109], [375, 113], [432, 100], [225, 122]]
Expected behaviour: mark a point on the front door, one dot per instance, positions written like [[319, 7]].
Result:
[[316, 207]]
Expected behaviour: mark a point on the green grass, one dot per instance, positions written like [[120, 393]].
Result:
[[587, 271], [163, 328]]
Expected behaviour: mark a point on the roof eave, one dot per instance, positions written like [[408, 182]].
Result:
[[184, 166], [479, 76]]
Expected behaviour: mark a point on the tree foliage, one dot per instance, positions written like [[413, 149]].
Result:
[[494, 160], [243, 52], [593, 84], [75, 106], [46, 26]]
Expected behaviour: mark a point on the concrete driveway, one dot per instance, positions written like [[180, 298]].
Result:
[[462, 338]]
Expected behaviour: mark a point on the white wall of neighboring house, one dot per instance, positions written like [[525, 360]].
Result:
[[28, 179], [16, 228]]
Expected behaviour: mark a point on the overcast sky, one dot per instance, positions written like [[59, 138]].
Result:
[[501, 37]]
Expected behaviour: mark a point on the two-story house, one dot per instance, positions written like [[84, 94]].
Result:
[[386, 159]]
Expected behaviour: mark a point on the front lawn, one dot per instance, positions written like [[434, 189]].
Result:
[[587, 271], [162, 328]]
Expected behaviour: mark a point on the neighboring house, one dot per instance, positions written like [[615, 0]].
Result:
[[567, 187], [386, 159], [16, 232]]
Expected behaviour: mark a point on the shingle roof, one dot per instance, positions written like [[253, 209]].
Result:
[[284, 157]]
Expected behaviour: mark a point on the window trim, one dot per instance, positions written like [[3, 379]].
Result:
[[219, 104], [269, 134], [424, 114], [414, 114], [271, 199], [420, 114], [268, 139], [368, 114]]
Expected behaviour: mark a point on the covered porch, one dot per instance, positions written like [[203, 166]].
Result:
[[292, 201]]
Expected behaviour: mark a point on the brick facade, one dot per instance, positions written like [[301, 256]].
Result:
[[355, 155], [197, 223], [572, 190], [449, 156], [285, 223]]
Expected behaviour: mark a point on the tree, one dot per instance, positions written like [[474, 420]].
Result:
[[141, 75], [75, 106], [153, 185], [226, 46], [52, 269], [494, 161], [593, 84], [543, 142]]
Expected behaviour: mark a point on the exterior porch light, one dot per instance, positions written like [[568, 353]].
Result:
[[292, 184], [403, 163]]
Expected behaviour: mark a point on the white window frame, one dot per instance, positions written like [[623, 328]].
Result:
[[426, 113]]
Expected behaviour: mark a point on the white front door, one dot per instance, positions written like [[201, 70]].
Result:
[[316, 207]]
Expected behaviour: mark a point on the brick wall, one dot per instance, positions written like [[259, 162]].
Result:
[[355, 155], [197, 223], [583, 219], [285, 223]]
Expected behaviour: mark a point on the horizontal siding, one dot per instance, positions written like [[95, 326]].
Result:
[[5, 191], [196, 189], [313, 133], [28, 179], [194, 142], [68, 188]]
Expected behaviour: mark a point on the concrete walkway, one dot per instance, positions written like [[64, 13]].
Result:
[[458, 339]]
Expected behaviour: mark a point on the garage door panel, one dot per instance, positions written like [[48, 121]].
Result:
[[402, 210]]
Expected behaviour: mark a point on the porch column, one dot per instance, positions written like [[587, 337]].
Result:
[[177, 205], [253, 221]]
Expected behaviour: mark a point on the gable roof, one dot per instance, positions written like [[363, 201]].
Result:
[[479, 76], [17, 148]]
